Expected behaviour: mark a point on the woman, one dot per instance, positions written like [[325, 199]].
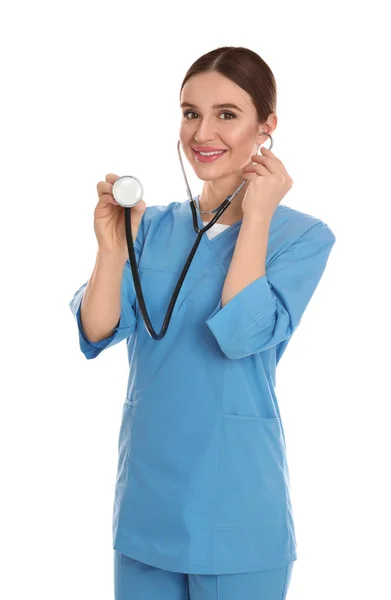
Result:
[[202, 507]]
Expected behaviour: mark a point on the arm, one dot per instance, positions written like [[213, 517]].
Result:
[[100, 309], [248, 260], [105, 303], [265, 309]]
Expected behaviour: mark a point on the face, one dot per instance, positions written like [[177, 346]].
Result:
[[235, 130]]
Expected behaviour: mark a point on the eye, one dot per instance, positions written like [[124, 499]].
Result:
[[187, 112]]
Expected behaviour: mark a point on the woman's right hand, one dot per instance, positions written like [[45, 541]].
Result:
[[109, 224]]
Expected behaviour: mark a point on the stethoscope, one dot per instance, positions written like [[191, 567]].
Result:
[[128, 191]]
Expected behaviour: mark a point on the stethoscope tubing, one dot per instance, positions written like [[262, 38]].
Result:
[[136, 276], [199, 231]]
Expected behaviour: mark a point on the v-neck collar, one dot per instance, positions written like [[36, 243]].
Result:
[[218, 246], [210, 248], [230, 228]]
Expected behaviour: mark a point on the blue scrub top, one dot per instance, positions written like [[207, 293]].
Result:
[[202, 482]]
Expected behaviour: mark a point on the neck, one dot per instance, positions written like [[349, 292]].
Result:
[[231, 215]]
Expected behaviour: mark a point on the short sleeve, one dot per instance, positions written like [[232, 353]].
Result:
[[127, 322], [269, 309]]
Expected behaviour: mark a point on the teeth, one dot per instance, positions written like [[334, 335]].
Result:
[[211, 153]]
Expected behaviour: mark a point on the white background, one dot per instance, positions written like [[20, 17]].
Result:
[[90, 88]]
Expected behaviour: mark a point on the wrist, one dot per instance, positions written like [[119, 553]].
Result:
[[256, 218], [112, 259]]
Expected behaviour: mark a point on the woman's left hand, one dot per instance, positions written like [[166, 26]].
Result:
[[269, 181]]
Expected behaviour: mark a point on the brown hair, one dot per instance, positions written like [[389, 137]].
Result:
[[245, 68]]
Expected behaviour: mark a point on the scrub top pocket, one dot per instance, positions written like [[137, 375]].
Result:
[[251, 476]]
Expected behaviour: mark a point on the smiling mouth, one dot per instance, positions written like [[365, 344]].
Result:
[[208, 157]]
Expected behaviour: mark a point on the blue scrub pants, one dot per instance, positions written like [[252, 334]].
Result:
[[135, 580]]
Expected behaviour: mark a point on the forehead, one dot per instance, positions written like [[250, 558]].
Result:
[[207, 90]]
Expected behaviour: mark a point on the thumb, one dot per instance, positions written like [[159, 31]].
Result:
[[250, 175]]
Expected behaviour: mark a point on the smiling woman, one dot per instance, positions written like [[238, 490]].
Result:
[[225, 108], [202, 496]]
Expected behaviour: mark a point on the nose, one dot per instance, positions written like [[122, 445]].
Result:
[[205, 132]]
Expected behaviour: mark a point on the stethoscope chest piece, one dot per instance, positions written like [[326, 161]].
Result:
[[128, 191]]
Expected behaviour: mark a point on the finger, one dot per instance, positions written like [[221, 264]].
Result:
[[271, 154], [270, 163], [260, 161], [105, 190], [112, 177], [257, 169]]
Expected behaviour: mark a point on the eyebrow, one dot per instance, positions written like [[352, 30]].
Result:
[[226, 105]]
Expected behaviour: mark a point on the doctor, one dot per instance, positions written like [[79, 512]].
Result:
[[202, 507]]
